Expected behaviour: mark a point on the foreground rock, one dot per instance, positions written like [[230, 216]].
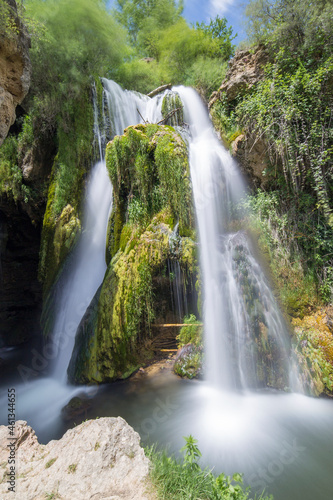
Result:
[[99, 459]]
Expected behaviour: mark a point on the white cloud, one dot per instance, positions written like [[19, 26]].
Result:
[[219, 7]]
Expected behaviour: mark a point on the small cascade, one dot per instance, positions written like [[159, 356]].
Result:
[[124, 108], [120, 109], [246, 341], [177, 280], [87, 269]]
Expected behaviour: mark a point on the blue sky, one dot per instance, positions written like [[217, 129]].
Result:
[[203, 10]]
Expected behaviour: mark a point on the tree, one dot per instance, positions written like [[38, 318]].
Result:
[[147, 15], [217, 30], [294, 29], [75, 40]]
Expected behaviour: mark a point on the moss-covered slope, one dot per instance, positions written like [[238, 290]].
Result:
[[149, 170]]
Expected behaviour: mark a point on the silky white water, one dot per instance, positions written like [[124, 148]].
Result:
[[239, 307]]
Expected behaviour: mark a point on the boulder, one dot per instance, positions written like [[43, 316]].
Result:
[[99, 459]]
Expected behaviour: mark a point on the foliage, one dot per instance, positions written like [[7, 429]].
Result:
[[11, 178], [143, 18], [293, 30], [206, 74], [316, 369], [294, 114], [180, 48], [177, 52], [290, 109], [72, 42], [283, 237], [139, 75], [184, 479], [191, 453], [192, 333], [217, 30], [78, 39], [8, 21], [225, 120]]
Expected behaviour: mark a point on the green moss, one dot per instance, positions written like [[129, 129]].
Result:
[[115, 225], [61, 224], [149, 170], [149, 163], [170, 103], [192, 334], [189, 361], [59, 236]]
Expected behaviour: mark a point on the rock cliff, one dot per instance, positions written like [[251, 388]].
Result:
[[99, 459], [245, 70], [15, 68]]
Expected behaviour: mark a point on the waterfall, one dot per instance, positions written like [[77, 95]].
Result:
[[246, 341], [239, 306]]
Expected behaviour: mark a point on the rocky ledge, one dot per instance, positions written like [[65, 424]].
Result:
[[99, 459]]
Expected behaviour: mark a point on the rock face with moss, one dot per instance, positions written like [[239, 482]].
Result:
[[151, 225], [246, 69], [15, 67], [63, 214], [189, 358], [172, 109]]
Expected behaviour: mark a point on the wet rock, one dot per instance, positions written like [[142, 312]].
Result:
[[20, 290], [97, 459], [188, 361], [77, 407]]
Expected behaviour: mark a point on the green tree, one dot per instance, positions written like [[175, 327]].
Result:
[[293, 29], [147, 16], [217, 30], [75, 40]]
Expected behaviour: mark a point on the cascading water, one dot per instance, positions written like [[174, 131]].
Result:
[[42, 399], [247, 343]]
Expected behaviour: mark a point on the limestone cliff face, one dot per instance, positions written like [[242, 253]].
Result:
[[15, 70], [97, 459], [245, 70]]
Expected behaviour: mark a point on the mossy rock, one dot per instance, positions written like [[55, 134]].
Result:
[[171, 102], [149, 171], [111, 339], [59, 237], [189, 362], [77, 407]]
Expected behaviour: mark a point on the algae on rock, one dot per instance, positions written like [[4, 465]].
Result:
[[172, 109], [149, 170]]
